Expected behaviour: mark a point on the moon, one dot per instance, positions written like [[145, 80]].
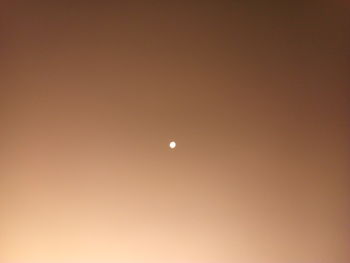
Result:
[[172, 145]]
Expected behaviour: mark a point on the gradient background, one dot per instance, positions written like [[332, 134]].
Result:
[[256, 95]]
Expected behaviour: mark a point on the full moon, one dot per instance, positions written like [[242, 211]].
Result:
[[172, 145]]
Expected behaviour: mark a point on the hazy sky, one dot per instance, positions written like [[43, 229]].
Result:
[[255, 94]]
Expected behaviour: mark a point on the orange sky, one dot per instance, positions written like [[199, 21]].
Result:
[[256, 95]]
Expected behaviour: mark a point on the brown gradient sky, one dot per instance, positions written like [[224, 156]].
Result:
[[256, 95]]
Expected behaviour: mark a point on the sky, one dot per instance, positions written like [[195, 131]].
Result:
[[255, 94]]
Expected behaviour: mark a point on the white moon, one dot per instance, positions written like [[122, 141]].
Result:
[[172, 145]]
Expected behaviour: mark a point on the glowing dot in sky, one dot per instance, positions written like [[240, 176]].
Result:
[[172, 145]]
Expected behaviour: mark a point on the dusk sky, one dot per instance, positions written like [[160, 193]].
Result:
[[254, 93]]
